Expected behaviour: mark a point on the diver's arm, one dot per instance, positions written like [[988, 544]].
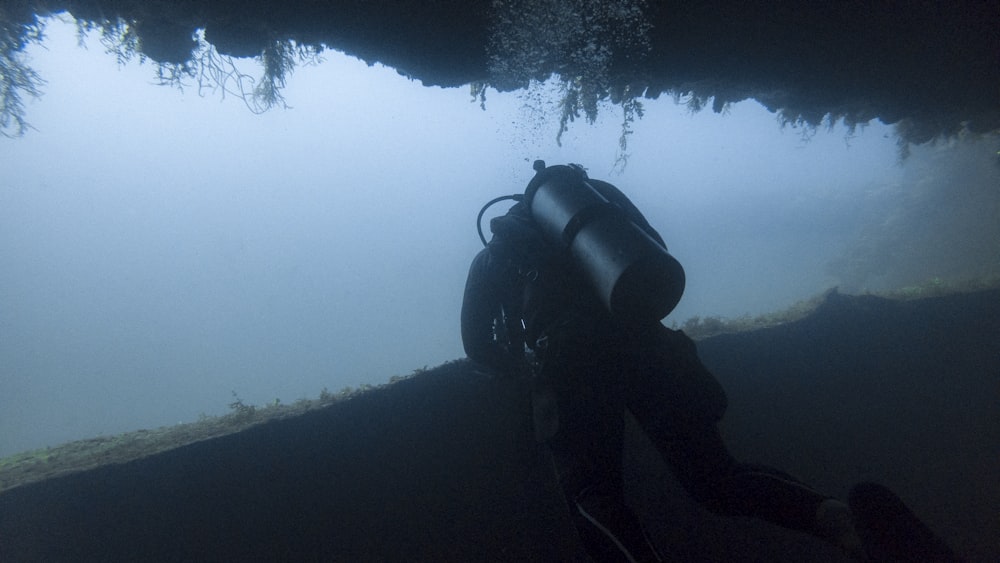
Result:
[[479, 306]]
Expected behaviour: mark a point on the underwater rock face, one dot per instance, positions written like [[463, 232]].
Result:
[[443, 466], [930, 67]]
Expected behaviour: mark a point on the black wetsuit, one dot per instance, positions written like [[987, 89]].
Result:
[[594, 367]]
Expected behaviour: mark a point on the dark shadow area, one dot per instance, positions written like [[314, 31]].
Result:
[[443, 467]]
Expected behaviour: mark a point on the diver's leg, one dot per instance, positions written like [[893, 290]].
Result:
[[678, 402], [586, 451], [609, 529]]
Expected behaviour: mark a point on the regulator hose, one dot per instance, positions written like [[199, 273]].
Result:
[[479, 219]]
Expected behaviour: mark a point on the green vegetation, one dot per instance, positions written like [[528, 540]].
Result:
[[704, 327], [213, 73], [581, 44], [936, 287], [631, 111], [37, 465], [241, 412], [17, 79], [209, 70], [118, 37]]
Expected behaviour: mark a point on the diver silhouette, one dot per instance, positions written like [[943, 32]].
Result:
[[569, 292]]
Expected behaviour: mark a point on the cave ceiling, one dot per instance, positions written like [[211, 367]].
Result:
[[930, 68]]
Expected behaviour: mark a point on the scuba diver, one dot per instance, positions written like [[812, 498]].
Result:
[[570, 292]]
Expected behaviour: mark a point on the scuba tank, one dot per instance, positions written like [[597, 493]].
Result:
[[632, 273]]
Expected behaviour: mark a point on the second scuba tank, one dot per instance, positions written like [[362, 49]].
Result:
[[632, 273]]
